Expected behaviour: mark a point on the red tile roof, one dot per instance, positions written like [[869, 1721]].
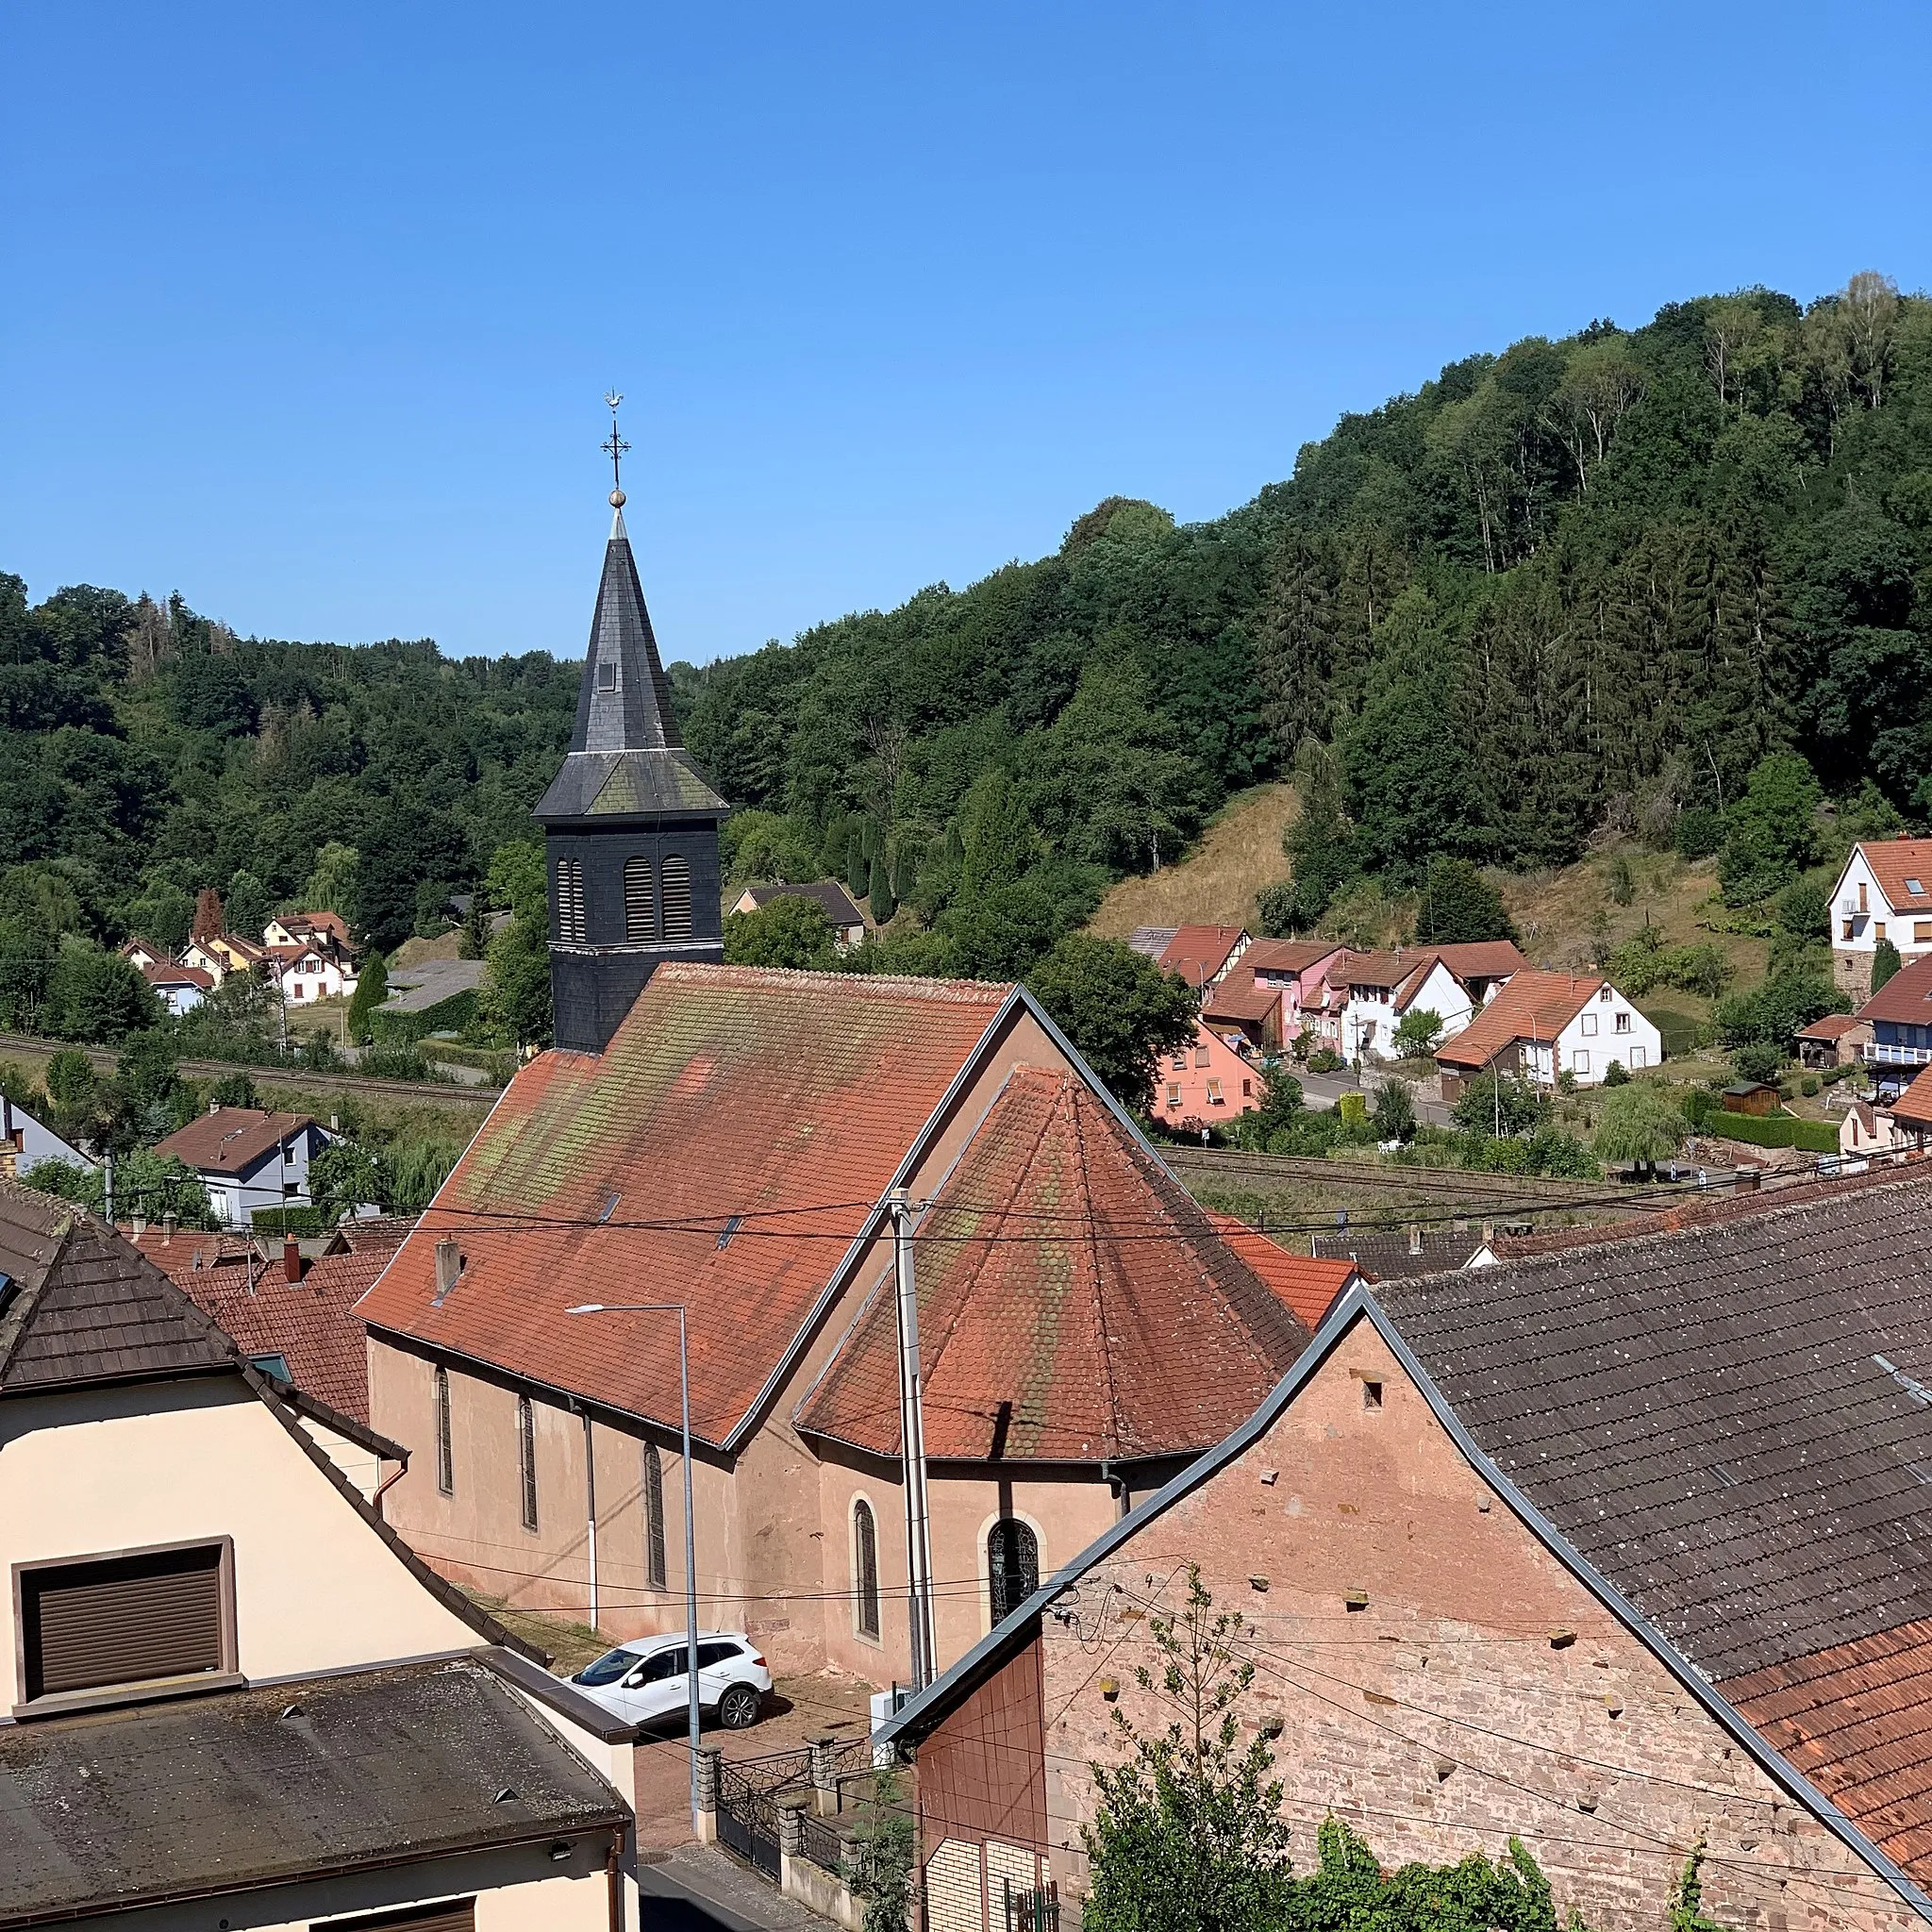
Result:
[[1904, 997], [1481, 959], [231, 1139], [1533, 1005], [1833, 1026], [1914, 1106], [1204, 949], [788, 1098], [1073, 1303], [168, 973], [1893, 862], [374, 1232], [1856, 1720], [1288, 956], [1305, 1286], [1238, 997]]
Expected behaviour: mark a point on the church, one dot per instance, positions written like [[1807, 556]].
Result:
[[723, 1138]]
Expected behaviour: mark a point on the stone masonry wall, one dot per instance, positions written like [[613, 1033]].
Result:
[[1480, 1691]]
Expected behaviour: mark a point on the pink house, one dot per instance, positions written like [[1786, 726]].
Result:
[[1207, 1084], [1296, 970]]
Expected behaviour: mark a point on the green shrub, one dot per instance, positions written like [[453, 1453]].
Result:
[[1810, 1085], [1774, 1130], [299, 1221], [457, 1014]]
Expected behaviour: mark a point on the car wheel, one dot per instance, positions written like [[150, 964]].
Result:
[[739, 1709]]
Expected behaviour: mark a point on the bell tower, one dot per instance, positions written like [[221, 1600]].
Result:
[[630, 825]]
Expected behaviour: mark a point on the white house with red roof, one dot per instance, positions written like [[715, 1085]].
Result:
[[1883, 892], [311, 955], [1370, 993], [1543, 1026]]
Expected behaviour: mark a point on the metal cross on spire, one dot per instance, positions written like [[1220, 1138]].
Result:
[[614, 448]]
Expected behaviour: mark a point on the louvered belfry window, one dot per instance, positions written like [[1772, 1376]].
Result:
[[571, 923], [636, 901], [123, 1619], [677, 898]]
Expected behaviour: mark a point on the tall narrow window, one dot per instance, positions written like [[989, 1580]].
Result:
[[677, 898], [1012, 1566], [570, 900], [636, 901], [527, 1457], [865, 1568], [654, 1517], [445, 1463]]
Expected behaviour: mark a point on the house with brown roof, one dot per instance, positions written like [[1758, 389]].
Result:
[[846, 920], [1543, 1026], [1370, 993], [1617, 1549], [1203, 954], [1900, 1017], [1884, 891], [1834, 1041], [235, 1696], [1083, 1329], [1294, 970], [1210, 1081], [223, 952], [249, 1158]]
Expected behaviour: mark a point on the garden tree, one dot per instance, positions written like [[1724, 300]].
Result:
[[475, 942], [1771, 1012], [343, 1177], [74, 1097], [1759, 1060], [1393, 1113], [164, 915], [758, 845], [513, 1003], [96, 996], [1000, 932], [880, 1854], [1188, 1835], [233, 1090], [1638, 1126], [372, 989], [146, 1181], [1459, 905], [331, 883], [1417, 1034], [211, 921], [788, 932], [248, 905], [1500, 1104], [1119, 1009], [1771, 833], [148, 1097], [1885, 962], [878, 894]]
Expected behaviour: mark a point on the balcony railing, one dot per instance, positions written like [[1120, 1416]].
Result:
[[1881, 1054]]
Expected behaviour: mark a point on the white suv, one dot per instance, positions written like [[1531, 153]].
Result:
[[644, 1682]]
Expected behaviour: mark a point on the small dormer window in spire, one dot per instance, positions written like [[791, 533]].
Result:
[[607, 675]]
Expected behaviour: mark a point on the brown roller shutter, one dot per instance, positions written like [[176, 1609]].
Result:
[[123, 1619], [457, 1915]]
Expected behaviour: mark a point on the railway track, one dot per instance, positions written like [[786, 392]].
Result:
[[1447, 1184]]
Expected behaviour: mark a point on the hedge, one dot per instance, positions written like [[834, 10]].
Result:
[[299, 1221], [453, 1015], [1774, 1130]]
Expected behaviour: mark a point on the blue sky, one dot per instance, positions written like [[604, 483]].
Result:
[[307, 311]]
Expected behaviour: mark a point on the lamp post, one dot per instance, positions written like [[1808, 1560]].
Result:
[[690, 1541]]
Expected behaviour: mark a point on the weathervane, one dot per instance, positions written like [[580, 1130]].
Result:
[[615, 448]]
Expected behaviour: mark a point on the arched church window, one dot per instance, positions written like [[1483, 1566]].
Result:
[[1012, 1566]]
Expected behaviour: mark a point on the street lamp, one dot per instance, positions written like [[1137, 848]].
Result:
[[691, 1543]]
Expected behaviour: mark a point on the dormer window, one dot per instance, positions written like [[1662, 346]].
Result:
[[607, 675], [1916, 887]]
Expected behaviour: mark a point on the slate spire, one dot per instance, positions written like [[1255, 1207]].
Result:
[[624, 703]]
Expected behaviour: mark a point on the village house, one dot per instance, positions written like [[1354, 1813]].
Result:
[[1488, 1593], [1210, 1082], [1292, 969], [1900, 1017], [25, 1142], [236, 1697], [310, 956], [1881, 893], [1838, 1040], [846, 920], [1867, 1130], [249, 1158], [1543, 1026], [1203, 954], [726, 1138], [220, 954]]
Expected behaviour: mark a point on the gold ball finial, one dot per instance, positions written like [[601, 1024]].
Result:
[[617, 499]]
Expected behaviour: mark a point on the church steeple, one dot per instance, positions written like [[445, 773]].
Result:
[[630, 822]]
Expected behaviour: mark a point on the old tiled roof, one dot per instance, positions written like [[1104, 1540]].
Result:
[[1386, 1254], [1286, 955], [827, 893], [231, 1140], [1073, 1303], [1728, 1420], [1197, 952], [788, 1099], [291, 1781], [1373, 969], [1905, 998], [1856, 1720], [1914, 1106], [1238, 997], [1481, 959], [1533, 1005], [308, 1322], [1896, 862], [1832, 1026], [373, 1233], [171, 972], [1152, 940], [1303, 1284], [82, 1306]]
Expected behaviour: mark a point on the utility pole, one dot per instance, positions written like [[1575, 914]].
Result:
[[912, 1450]]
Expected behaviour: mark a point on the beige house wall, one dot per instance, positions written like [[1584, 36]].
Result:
[[773, 1535], [1482, 1691], [90, 1471]]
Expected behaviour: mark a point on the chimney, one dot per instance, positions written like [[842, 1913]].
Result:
[[291, 1260], [137, 1222], [1488, 1232], [1415, 1238], [214, 1106], [449, 1264], [167, 1229]]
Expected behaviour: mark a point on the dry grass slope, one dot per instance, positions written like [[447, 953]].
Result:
[[1217, 883]]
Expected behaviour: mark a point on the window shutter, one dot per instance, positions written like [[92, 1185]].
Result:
[[455, 1915], [123, 1619], [677, 898], [654, 1517], [636, 900]]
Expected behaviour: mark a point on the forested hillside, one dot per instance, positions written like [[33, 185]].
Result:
[[1580, 583]]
